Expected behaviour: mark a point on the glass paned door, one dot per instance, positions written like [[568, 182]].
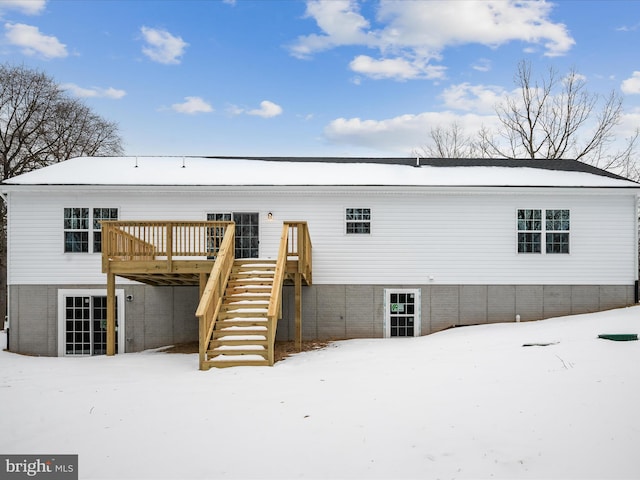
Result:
[[402, 313], [247, 235], [86, 325]]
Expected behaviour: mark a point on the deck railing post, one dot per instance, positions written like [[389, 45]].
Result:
[[169, 232]]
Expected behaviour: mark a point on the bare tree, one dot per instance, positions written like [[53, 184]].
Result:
[[41, 125], [449, 142], [557, 117]]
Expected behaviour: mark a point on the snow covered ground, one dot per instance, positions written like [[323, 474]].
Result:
[[465, 403]]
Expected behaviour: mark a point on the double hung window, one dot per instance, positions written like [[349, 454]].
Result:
[[543, 231], [82, 229]]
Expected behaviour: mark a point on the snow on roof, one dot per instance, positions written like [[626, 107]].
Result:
[[225, 171]]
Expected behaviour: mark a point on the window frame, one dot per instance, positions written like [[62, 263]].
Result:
[[564, 224], [544, 227], [350, 219], [92, 233], [97, 232], [72, 225]]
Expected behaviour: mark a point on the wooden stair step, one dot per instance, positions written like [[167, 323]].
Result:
[[244, 304], [237, 342], [246, 321], [240, 315], [252, 275], [259, 264], [256, 294], [222, 361], [254, 307], [246, 300], [248, 289], [252, 279], [245, 333], [238, 350]]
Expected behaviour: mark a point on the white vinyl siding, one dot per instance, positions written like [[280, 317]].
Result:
[[421, 236]]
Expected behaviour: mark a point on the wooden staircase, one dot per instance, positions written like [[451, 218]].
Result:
[[242, 331], [241, 301]]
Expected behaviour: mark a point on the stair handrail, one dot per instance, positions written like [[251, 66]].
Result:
[[211, 299], [294, 242], [275, 302]]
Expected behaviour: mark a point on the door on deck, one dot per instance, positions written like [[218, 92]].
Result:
[[247, 232], [402, 312], [247, 235]]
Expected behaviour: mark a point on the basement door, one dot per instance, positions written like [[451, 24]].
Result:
[[402, 312], [247, 231], [84, 323]]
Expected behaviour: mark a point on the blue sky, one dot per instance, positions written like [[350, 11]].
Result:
[[314, 78]]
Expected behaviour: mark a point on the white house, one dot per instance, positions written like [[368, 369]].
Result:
[[401, 247]]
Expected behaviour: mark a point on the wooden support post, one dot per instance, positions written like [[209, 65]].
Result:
[[298, 295], [203, 284], [111, 314]]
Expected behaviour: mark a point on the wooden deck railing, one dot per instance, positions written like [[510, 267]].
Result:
[[142, 240], [295, 244], [299, 248], [211, 299]]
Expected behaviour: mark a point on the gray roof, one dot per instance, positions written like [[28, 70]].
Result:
[[566, 165]]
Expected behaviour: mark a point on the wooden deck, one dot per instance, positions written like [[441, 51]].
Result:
[[169, 253]]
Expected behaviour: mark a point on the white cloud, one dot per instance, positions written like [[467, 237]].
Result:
[[631, 85], [162, 47], [234, 110], [28, 7], [396, 68], [267, 110], [476, 98], [94, 92], [629, 124], [402, 134], [32, 42], [482, 65], [340, 22], [414, 34], [192, 105]]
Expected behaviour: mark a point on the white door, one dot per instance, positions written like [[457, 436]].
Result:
[[402, 312]]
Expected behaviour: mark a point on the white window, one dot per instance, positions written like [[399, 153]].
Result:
[[358, 220], [82, 229], [537, 234], [557, 231]]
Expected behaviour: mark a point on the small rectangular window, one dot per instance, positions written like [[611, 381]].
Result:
[[529, 231], [557, 226], [76, 230], [358, 220], [100, 214]]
